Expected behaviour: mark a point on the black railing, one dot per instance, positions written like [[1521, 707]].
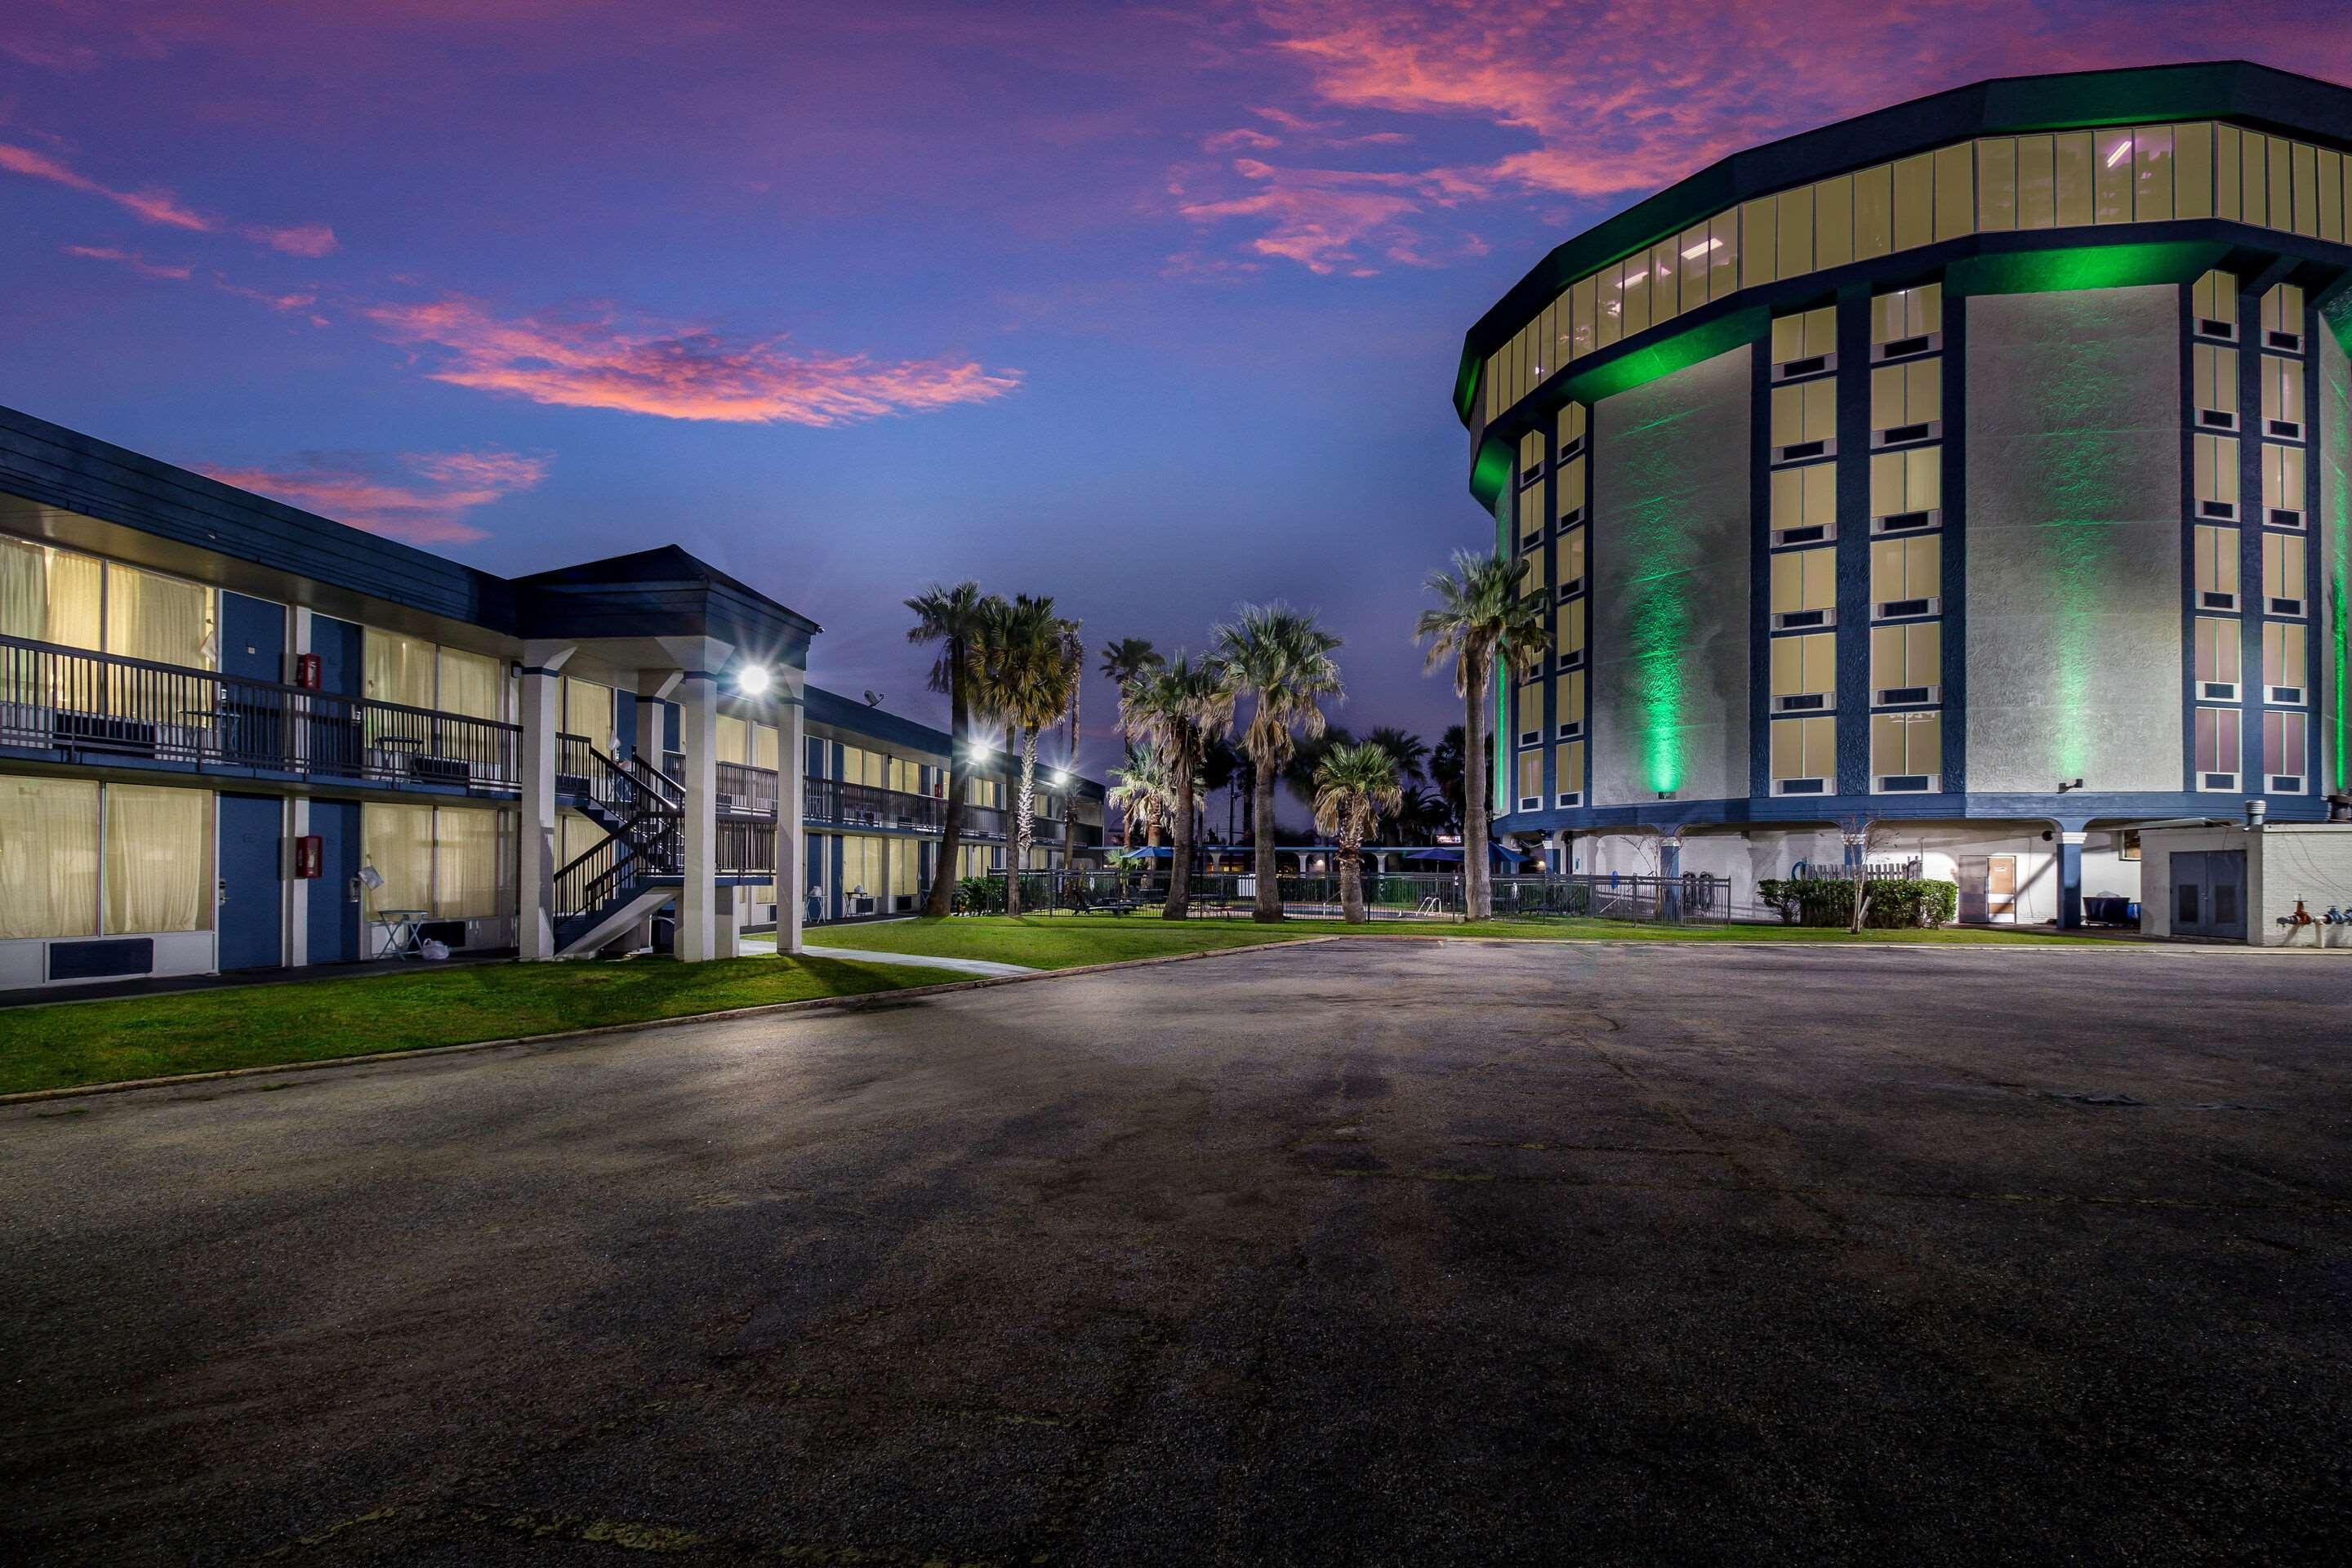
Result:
[[104, 706], [1692, 899], [745, 847], [742, 787], [645, 839], [838, 804]]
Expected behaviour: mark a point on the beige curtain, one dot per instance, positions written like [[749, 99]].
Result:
[[24, 591], [399, 668], [465, 864], [471, 684], [734, 739], [576, 837], [397, 840], [764, 746], [159, 861], [48, 858], [158, 618], [588, 711]]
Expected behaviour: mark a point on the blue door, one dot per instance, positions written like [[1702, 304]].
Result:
[[335, 914], [252, 887], [333, 740], [252, 723]]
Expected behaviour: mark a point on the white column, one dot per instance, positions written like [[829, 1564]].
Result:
[[792, 761], [697, 900], [297, 888], [540, 717]]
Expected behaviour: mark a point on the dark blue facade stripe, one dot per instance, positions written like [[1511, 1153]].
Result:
[[1954, 581], [1853, 540], [2080, 808], [1759, 572]]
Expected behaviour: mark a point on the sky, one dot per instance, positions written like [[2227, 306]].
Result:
[[1153, 307]]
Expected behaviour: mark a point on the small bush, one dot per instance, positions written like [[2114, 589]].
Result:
[[980, 896], [1895, 903]]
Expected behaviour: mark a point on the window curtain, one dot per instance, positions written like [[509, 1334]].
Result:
[[764, 746], [399, 668], [471, 684], [159, 874], [577, 835], [465, 881], [588, 711], [48, 858], [48, 596], [158, 618], [734, 739], [398, 842]]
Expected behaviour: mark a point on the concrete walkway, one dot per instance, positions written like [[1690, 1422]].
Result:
[[961, 965]]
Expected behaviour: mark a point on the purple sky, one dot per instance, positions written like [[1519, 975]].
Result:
[[1153, 307]]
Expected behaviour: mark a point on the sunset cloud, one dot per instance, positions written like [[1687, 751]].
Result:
[[131, 259], [156, 205], [599, 360], [423, 498]]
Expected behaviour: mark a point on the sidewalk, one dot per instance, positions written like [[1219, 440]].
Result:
[[979, 966]]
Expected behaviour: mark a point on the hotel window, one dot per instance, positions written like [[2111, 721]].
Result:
[[1873, 213], [158, 860], [1568, 773], [734, 739], [2282, 380], [2214, 371], [1804, 755], [1531, 457], [861, 874], [1567, 705], [1793, 221], [1996, 185], [588, 711], [1915, 200], [1804, 588], [160, 619], [48, 858], [2214, 476], [473, 684], [2282, 581], [2283, 319], [1634, 289], [2286, 745], [1804, 344], [468, 856], [906, 875], [1568, 633], [2216, 553], [1571, 561], [2152, 173], [2074, 161], [399, 668], [1907, 664], [1530, 781], [1907, 401], [1569, 430], [1759, 227], [2111, 179], [2283, 492], [1537, 577], [2193, 172], [1528, 700], [1908, 321], [1804, 673], [1804, 504], [2218, 655], [902, 776], [2213, 302], [1906, 576], [1569, 485], [1833, 222], [2284, 669], [2217, 748], [1906, 488], [1907, 753], [1531, 517], [397, 840], [1804, 420], [51, 595], [2037, 182], [73, 600], [1956, 198]]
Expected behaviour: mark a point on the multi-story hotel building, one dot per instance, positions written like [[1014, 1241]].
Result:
[[1977, 467], [235, 735]]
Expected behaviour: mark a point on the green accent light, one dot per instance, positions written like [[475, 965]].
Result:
[[1490, 476], [1654, 597], [2067, 267]]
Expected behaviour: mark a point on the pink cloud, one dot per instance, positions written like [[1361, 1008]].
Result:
[[131, 259], [428, 504], [1226, 141], [1319, 218], [312, 240], [598, 361], [156, 205]]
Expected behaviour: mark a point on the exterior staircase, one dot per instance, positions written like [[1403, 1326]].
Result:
[[635, 868]]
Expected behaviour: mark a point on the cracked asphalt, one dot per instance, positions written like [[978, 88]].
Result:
[[1367, 1252]]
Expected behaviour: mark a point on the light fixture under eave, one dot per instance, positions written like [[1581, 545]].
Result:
[[1701, 248], [751, 679], [1060, 778]]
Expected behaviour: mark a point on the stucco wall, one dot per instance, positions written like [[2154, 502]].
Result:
[[2285, 862], [1669, 567], [2073, 516]]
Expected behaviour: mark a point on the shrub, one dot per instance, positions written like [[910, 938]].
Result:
[[980, 896], [1894, 902]]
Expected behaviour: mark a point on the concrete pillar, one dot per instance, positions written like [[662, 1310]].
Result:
[[697, 900], [2070, 880], [791, 883], [1669, 869], [540, 716]]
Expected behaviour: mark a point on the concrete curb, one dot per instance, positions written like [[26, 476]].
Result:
[[599, 1031]]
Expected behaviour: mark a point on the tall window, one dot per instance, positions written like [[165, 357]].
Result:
[[1907, 661], [2282, 381], [1804, 587], [2284, 747], [48, 858], [1802, 343], [1571, 561], [473, 684], [1804, 670], [2218, 651], [2283, 490], [1906, 748], [2213, 301], [158, 860], [1804, 498], [1906, 396], [1530, 780], [1905, 483], [1568, 632], [1567, 704], [2216, 554], [1804, 416], [153, 842], [588, 711], [2217, 748], [1905, 575], [1568, 772], [1804, 755], [2284, 645], [1906, 314], [2282, 581], [2213, 369], [2283, 318], [2215, 475]]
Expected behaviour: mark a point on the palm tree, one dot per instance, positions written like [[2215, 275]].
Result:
[[1022, 683], [1482, 621], [1445, 772], [1419, 815], [949, 616], [1122, 661], [1280, 659], [1354, 788], [1179, 705], [1074, 655], [1411, 751], [1219, 766], [1139, 789], [1307, 754]]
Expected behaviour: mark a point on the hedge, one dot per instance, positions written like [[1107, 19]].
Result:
[[1894, 902]]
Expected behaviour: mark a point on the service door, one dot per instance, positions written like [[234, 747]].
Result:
[[252, 912], [334, 923], [2001, 889], [2225, 906]]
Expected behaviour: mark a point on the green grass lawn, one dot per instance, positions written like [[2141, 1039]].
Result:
[[269, 1025], [1059, 942]]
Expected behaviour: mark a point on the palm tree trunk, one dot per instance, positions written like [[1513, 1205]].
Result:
[[1070, 789], [1025, 803], [1179, 863], [1267, 907], [1478, 891], [943, 877], [1351, 878]]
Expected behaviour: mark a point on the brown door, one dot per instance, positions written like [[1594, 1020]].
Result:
[[2001, 887]]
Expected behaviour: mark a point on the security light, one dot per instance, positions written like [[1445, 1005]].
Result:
[[751, 679]]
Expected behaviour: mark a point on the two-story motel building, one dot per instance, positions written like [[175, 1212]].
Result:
[[235, 735], [1980, 467]]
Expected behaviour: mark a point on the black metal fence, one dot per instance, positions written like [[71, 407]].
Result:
[[1693, 899]]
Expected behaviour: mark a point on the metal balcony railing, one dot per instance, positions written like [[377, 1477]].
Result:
[[742, 787], [98, 706]]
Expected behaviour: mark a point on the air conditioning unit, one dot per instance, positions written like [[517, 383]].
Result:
[[2286, 783], [1904, 609], [2285, 342], [1802, 620], [1904, 784], [1906, 696], [2286, 606], [1904, 348], [2217, 511], [2207, 599], [1571, 731], [1907, 521], [2286, 429], [2223, 782], [1799, 369], [1573, 516], [1529, 541], [1571, 797], [2207, 327], [1804, 702], [2216, 419], [1571, 659], [2283, 517], [1904, 434], [1573, 449], [1530, 803], [2217, 691], [1572, 589], [2290, 696], [1798, 451], [1530, 474], [1809, 534], [1531, 737], [1801, 786]]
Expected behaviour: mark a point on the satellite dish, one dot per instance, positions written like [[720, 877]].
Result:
[[874, 699]]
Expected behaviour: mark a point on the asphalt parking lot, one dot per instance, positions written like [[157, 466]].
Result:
[[1362, 1252]]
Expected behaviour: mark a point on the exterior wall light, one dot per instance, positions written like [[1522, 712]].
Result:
[[751, 679]]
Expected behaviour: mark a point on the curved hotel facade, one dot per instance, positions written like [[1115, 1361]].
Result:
[[1976, 468]]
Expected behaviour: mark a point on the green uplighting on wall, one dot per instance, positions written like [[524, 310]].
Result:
[[1656, 617], [2060, 270]]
